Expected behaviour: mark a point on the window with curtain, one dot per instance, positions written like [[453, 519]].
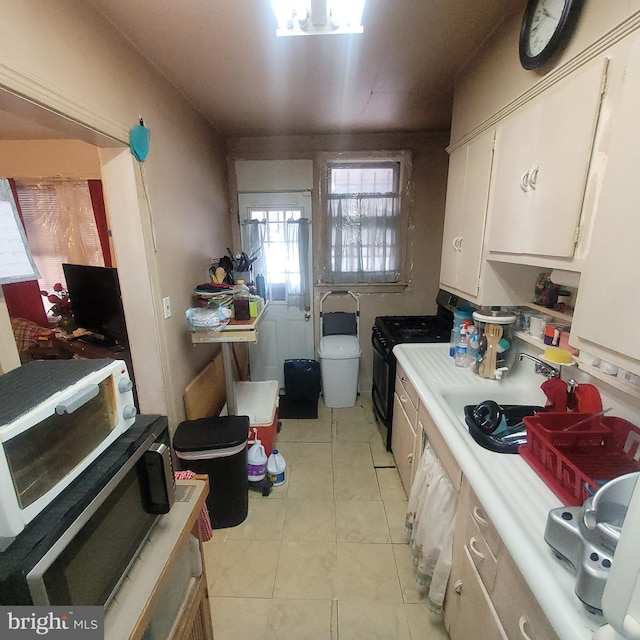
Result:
[[363, 222], [60, 225], [282, 237]]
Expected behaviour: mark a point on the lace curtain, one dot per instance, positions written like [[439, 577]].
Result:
[[363, 239], [298, 294], [283, 258], [253, 239]]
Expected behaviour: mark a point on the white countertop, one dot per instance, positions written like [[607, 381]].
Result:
[[514, 497]]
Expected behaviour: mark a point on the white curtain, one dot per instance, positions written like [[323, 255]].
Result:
[[429, 526], [363, 239], [253, 239], [298, 293]]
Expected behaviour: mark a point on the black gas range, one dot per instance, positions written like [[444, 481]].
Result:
[[387, 332]]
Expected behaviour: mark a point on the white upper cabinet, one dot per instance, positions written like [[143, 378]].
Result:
[[609, 282], [466, 209], [542, 159]]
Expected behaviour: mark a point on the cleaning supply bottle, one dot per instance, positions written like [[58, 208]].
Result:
[[256, 462], [460, 358], [276, 466], [241, 301], [261, 287]]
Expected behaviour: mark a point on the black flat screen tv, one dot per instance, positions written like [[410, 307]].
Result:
[[96, 303]]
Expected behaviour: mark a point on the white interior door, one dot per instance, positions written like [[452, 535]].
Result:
[[286, 331]]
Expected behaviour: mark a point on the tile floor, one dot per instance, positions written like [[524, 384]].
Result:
[[324, 557]]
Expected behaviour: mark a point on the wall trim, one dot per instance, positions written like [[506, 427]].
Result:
[[598, 47], [40, 93]]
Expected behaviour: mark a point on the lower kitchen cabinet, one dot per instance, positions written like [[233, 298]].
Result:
[[487, 594], [404, 428], [469, 612]]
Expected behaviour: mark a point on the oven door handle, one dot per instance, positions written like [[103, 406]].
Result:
[[79, 398]]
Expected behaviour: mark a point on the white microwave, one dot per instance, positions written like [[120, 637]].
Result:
[[56, 418]]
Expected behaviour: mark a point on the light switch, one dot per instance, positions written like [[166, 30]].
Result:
[[166, 306]]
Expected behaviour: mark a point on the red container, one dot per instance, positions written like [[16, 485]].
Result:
[[552, 427], [574, 471], [259, 401]]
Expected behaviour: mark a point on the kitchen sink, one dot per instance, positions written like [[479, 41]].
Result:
[[514, 394], [516, 402]]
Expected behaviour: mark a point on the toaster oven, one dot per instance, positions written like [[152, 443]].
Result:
[[56, 418]]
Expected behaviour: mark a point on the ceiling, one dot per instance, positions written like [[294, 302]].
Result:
[[223, 55]]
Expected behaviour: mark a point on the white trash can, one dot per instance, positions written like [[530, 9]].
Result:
[[339, 363]]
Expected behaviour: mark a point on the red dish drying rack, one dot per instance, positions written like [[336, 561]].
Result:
[[575, 463]]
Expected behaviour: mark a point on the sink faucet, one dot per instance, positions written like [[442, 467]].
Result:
[[541, 367]]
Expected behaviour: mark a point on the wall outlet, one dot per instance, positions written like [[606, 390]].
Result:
[[166, 307]]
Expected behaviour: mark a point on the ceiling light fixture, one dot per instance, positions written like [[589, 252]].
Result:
[[318, 17]]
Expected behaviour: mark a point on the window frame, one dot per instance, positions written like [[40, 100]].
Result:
[[324, 162]]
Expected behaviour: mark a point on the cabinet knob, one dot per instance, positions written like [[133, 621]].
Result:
[[533, 177], [524, 181], [457, 587], [473, 545], [478, 518], [410, 458], [521, 625]]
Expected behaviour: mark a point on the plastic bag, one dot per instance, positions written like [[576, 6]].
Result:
[[208, 318]]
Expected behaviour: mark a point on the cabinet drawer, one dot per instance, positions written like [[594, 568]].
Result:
[[521, 615], [439, 445], [483, 559], [403, 384], [469, 612], [403, 441], [485, 528], [410, 407]]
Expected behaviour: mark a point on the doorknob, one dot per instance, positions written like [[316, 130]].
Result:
[[307, 314]]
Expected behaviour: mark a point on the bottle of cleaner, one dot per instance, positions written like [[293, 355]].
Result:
[[256, 462], [261, 286], [276, 466], [460, 356]]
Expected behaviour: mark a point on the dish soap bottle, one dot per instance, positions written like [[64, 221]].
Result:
[[460, 357], [241, 301]]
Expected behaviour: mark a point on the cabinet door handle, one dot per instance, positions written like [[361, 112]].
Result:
[[524, 181], [533, 177], [459, 243], [403, 399], [478, 518], [457, 587], [473, 546], [521, 624], [410, 458], [455, 243]]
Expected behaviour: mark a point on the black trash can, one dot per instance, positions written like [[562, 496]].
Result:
[[218, 447], [302, 380]]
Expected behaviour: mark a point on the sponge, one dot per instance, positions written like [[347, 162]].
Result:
[[559, 356]]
